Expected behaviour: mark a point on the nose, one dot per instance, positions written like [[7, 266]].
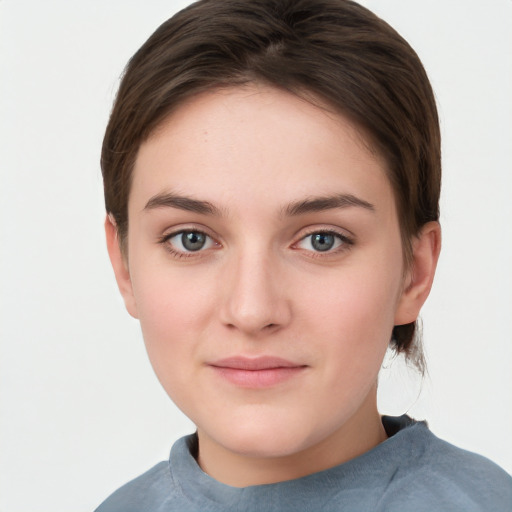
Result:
[[255, 299]]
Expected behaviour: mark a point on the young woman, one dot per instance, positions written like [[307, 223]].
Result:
[[272, 176]]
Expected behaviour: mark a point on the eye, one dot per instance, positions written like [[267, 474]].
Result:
[[323, 241], [189, 241]]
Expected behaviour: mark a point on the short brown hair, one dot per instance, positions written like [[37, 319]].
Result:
[[335, 50]]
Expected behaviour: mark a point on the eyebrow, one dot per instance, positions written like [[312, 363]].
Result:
[[318, 204], [308, 205], [170, 200]]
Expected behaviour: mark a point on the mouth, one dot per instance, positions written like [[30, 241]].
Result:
[[259, 372]]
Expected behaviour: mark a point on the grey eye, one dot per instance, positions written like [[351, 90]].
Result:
[[193, 241], [189, 241], [322, 241]]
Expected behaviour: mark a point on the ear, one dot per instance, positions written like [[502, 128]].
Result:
[[418, 282], [120, 266]]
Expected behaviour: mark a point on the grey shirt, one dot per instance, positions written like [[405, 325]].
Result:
[[413, 470]]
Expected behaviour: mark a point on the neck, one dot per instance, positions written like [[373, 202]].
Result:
[[359, 434]]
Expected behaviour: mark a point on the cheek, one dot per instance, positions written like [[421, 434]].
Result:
[[351, 316], [354, 301], [170, 297], [173, 311]]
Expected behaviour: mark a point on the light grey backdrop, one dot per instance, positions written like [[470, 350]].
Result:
[[80, 410]]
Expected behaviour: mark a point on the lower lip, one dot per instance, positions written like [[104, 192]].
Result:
[[264, 378]]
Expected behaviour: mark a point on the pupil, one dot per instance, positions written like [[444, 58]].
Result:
[[193, 241], [322, 241]]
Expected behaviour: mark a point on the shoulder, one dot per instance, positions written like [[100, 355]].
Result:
[[145, 492], [159, 489], [439, 476]]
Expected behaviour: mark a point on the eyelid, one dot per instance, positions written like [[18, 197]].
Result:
[[347, 239], [325, 228], [180, 228], [177, 230]]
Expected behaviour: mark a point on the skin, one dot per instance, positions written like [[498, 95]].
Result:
[[259, 287]]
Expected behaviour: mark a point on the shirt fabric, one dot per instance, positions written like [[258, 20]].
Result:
[[413, 470]]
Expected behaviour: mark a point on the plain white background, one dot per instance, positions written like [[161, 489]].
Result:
[[80, 409]]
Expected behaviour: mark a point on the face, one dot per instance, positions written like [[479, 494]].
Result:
[[265, 265]]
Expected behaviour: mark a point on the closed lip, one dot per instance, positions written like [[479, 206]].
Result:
[[256, 372], [255, 363]]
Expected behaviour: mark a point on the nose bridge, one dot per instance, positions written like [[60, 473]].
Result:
[[254, 301]]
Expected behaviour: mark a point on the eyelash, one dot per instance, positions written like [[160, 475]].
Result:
[[345, 243], [164, 240]]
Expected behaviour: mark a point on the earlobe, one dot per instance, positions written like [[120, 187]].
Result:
[[120, 266], [426, 247]]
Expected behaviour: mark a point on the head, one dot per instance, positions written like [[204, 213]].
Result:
[[331, 52], [272, 172]]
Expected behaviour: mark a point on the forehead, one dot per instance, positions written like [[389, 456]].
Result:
[[260, 140]]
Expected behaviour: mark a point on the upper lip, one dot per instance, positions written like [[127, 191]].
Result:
[[254, 363]]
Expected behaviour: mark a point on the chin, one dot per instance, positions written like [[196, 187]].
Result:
[[267, 437]]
